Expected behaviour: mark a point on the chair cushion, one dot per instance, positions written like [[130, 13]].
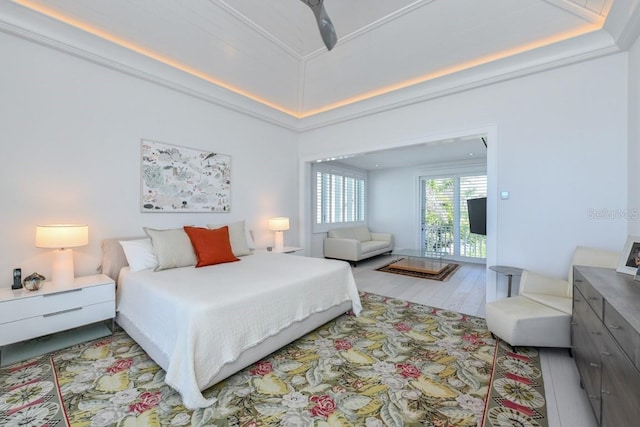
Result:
[[342, 233], [362, 233], [593, 257], [559, 303], [373, 245], [531, 281], [524, 322]]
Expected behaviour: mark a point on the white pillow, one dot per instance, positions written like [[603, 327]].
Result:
[[250, 241], [139, 254], [172, 248], [238, 236]]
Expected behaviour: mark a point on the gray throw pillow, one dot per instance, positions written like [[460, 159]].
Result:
[[172, 248]]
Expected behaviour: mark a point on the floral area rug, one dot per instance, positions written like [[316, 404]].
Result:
[[397, 364]]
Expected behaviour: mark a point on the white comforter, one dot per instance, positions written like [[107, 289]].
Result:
[[203, 318]]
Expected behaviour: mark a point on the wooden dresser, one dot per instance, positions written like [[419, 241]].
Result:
[[605, 336]]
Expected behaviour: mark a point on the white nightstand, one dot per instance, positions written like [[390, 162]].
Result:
[[25, 315]]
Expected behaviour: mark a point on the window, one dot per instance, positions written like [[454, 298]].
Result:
[[445, 220], [340, 195], [471, 245]]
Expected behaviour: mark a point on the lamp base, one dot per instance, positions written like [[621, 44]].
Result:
[[62, 268], [279, 243]]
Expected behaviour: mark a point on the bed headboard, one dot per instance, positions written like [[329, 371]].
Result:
[[113, 258]]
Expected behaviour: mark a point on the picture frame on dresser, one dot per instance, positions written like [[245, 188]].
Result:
[[630, 258]]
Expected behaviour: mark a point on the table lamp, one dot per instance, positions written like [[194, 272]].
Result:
[[62, 237], [279, 225]]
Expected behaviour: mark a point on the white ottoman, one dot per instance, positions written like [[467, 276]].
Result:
[[524, 322]]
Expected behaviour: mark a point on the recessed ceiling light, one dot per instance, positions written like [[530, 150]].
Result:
[[471, 154]]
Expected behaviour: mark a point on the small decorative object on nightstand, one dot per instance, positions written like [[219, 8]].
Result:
[[54, 308], [34, 281]]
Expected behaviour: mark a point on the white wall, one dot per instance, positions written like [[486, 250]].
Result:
[[392, 204], [634, 139], [560, 149], [70, 136]]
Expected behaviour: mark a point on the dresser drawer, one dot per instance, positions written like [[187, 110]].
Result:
[[626, 337], [579, 302], [582, 309], [593, 298], [38, 304], [587, 357], [589, 331], [620, 387], [34, 327]]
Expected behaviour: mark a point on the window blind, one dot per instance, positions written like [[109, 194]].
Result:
[[339, 196]]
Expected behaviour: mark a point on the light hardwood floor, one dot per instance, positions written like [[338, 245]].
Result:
[[567, 404]]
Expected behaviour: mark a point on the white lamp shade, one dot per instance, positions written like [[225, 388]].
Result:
[[279, 224], [62, 235]]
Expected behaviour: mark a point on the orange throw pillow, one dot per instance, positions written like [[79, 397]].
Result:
[[211, 246]]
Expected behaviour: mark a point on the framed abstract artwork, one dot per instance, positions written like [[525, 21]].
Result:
[[180, 179]]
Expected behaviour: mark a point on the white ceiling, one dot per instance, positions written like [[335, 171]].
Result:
[[271, 51], [456, 150]]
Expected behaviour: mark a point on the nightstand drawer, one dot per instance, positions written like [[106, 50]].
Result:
[[37, 305], [61, 320]]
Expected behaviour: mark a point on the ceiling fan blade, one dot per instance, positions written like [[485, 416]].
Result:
[[327, 31]]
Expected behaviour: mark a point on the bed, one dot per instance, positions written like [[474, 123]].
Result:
[[201, 325]]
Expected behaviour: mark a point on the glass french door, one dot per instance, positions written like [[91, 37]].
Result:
[[444, 216]]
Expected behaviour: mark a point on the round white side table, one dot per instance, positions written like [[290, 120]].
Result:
[[509, 272]]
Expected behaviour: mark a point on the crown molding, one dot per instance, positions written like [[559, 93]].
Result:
[[623, 22], [30, 25], [581, 11], [24, 23], [578, 49]]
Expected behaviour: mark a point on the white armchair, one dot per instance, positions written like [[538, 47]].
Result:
[[540, 316]]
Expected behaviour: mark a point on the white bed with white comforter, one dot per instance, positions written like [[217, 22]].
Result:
[[203, 324]]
